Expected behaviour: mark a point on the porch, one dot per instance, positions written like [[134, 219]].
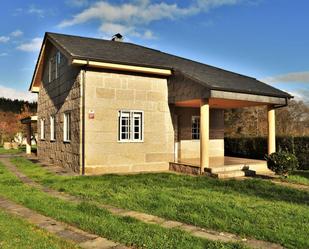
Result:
[[222, 166], [205, 154]]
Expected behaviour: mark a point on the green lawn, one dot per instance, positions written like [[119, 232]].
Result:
[[96, 220], [299, 177], [255, 208], [12, 151], [17, 233]]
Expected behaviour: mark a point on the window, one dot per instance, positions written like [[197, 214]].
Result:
[[42, 129], [195, 125], [52, 128], [130, 126], [50, 64], [58, 61], [54, 66], [67, 127]]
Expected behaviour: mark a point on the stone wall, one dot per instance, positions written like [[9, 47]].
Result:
[[55, 98], [185, 168], [106, 93], [189, 148]]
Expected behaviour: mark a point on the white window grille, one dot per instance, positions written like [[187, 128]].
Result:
[[130, 126], [67, 127], [42, 123], [52, 128]]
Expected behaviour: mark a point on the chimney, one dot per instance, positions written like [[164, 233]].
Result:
[[117, 37]]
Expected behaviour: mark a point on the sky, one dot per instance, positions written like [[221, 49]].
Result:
[[265, 39]]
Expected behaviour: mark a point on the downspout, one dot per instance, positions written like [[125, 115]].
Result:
[[83, 120]]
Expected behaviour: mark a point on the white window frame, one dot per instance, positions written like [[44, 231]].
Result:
[[131, 114], [195, 131], [42, 129], [67, 123], [52, 128]]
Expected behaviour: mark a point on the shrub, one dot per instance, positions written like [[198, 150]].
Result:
[[282, 162]]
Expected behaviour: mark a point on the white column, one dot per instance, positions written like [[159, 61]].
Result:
[[176, 150], [204, 134], [28, 143], [271, 130]]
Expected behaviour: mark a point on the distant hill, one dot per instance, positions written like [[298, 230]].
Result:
[[17, 106]]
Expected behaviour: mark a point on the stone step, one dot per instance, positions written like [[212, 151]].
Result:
[[258, 167], [229, 174], [226, 168]]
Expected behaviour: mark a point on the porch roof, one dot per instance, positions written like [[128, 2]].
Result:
[[211, 78], [29, 120]]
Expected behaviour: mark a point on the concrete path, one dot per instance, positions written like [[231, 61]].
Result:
[[147, 218], [60, 229]]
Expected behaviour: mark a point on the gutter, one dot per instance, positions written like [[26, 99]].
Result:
[[122, 67], [280, 106]]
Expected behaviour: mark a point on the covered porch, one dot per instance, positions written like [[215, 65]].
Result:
[[210, 158]]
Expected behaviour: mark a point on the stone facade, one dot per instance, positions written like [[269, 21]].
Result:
[[56, 97], [189, 148], [108, 92]]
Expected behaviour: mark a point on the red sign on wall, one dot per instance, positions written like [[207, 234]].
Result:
[[91, 114]]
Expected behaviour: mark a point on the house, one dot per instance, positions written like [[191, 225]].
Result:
[[117, 107]]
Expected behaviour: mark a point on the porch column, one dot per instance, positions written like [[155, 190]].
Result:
[[271, 129], [204, 134], [28, 142]]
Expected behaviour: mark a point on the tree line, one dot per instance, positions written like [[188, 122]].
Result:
[[11, 112], [292, 120]]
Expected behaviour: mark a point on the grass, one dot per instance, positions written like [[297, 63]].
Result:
[[11, 151], [298, 177], [96, 220], [17, 233], [254, 208]]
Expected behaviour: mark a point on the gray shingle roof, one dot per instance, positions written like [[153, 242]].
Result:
[[128, 53]]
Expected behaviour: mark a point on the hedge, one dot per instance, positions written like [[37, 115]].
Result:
[[256, 148]]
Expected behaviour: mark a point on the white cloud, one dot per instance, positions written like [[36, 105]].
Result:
[[296, 77], [4, 39], [112, 28], [295, 83], [17, 33], [132, 18], [33, 46], [300, 95], [149, 35], [77, 3], [3, 54], [36, 11], [12, 93]]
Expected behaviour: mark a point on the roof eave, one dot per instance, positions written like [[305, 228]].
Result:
[[122, 67]]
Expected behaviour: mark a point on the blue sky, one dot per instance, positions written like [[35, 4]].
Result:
[[266, 39]]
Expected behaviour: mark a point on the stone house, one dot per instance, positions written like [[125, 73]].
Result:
[[117, 107]]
